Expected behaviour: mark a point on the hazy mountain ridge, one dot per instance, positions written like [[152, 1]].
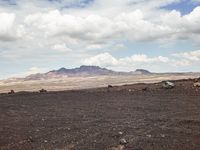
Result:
[[87, 77], [81, 71], [142, 71], [86, 71]]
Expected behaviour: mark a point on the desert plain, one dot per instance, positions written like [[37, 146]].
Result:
[[140, 116]]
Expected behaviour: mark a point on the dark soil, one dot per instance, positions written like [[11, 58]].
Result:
[[147, 117]]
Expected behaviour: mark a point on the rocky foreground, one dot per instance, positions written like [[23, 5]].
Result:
[[132, 117]]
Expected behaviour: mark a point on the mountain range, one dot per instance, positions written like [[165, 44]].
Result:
[[87, 77], [82, 71]]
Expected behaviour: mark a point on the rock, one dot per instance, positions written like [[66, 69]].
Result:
[[45, 141], [30, 139], [110, 86], [123, 141], [197, 84], [168, 85], [144, 89], [162, 135], [11, 92], [119, 147], [197, 80], [120, 133], [68, 128], [149, 135], [43, 91]]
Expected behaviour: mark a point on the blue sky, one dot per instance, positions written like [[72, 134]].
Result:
[[41, 35], [184, 6]]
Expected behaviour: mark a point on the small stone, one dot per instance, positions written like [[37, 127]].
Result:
[[120, 133], [123, 141], [144, 89], [30, 139], [119, 147], [149, 136], [162, 135], [45, 141]]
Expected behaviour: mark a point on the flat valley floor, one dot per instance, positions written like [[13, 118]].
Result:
[[147, 116]]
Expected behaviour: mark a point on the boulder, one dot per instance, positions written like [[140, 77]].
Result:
[[110, 86], [168, 85], [197, 84], [11, 92], [144, 89], [123, 141], [43, 91]]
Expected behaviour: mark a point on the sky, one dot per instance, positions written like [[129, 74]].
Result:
[[42, 35]]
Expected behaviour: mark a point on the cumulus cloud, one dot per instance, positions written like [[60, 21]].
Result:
[[45, 28], [6, 27], [107, 60], [141, 60], [93, 27], [54, 23], [104, 59], [132, 25], [190, 56]]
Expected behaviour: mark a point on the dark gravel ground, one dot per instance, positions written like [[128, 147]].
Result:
[[100, 119]]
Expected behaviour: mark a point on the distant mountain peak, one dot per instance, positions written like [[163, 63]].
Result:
[[84, 67], [82, 70], [62, 69], [142, 71]]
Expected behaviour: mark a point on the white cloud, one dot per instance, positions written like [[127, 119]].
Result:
[[104, 59], [61, 48], [54, 23], [94, 46], [181, 63], [93, 27], [107, 60], [132, 25], [184, 27], [190, 56], [43, 29], [6, 26], [141, 60], [34, 70]]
